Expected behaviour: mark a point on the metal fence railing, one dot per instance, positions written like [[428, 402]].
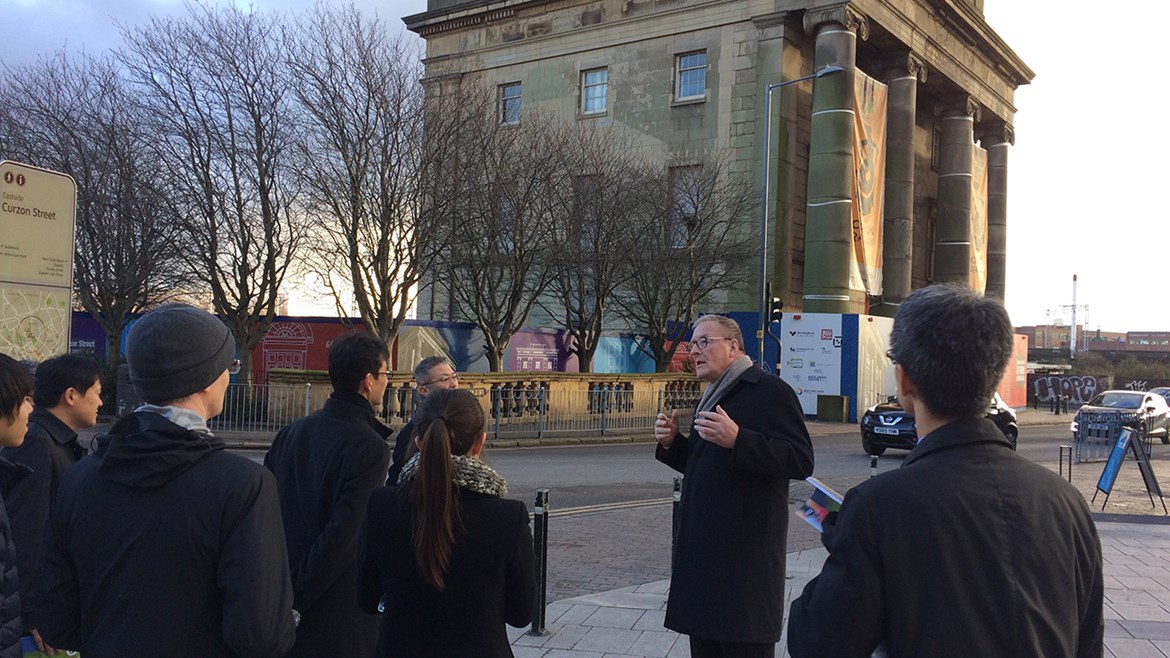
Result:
[[519, 412]]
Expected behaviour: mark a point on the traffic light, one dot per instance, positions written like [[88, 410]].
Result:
[[777, 309]]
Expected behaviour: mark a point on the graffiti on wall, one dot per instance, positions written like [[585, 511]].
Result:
[[1079, 388]]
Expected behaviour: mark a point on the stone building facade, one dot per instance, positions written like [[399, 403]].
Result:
[[693, 73]]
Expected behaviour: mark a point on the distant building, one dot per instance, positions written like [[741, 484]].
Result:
[[692, 74]]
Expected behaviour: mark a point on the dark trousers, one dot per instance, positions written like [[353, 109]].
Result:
[[703, 648]]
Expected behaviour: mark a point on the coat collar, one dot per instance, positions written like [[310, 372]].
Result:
[[956, 434], [353, 405], [53, 426]]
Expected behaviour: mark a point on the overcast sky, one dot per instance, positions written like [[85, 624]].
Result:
[[1084, 176]]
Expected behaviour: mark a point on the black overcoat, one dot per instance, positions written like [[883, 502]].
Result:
[[161, 543], [326, 465], [968, 549], [728, 575], [50, 447], [490, 582]]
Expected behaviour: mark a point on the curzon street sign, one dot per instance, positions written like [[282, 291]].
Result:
[[37, 218]]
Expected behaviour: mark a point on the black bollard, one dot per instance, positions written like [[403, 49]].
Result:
[[873, 465], [540, 548], [1066, 450], [677, 499]]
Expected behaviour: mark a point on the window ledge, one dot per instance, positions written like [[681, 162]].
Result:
[[697, 100]]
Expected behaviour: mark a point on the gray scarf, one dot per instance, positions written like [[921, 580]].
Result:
[[719, 387]]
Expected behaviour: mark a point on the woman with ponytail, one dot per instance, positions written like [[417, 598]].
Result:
[[447, 560]]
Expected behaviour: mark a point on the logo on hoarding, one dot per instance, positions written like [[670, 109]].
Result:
[[795, 363], [826, 334]]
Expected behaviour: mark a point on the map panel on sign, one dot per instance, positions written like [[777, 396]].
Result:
[[34, 321]]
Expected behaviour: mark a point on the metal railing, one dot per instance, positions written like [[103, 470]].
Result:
[[530, 411]]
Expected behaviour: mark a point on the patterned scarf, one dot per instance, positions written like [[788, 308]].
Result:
[[470, 473]]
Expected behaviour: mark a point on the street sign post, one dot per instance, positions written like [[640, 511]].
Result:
[[37, 223]]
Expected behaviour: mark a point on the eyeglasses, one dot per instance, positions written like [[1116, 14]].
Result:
[[381, 373], [704, 342], [234, 368], [444, 380], [890, 356]]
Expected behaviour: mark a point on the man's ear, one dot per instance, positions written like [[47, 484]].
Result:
[[905, 386], [69, 397]]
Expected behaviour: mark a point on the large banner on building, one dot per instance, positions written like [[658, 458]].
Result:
[[869, 175], [978, 266], [811, 360]]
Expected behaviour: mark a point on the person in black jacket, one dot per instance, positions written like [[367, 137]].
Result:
[[326, 465], [67, 394], [446, 556], [968, 549], [161, 543], [434, 373], [748, 440], [15, 406]]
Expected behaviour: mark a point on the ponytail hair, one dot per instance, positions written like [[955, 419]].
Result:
[[450, 421]]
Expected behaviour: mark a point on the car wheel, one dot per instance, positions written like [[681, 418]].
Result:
[[1012, 434], [871, 449]]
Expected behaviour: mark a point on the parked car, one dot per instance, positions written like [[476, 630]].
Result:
[[1146, 412], [1164, 391], [887, 425]]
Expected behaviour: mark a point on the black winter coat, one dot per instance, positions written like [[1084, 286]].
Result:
[[11, 625], [969, 549], [160, 543], [50, 447], [491, 580], [401, 447], [728, 576], [326, 465]]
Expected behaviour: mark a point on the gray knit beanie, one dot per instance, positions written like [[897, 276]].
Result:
[[176, 350]]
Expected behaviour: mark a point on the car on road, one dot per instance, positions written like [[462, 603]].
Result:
[[887, 425], [1147, 412]]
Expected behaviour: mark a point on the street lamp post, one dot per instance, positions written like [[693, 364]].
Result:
[[765, 195]]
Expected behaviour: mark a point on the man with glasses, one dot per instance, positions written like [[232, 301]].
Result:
[[326, 466], [431, 374], [162, 542], [747, 440], [968, 549]]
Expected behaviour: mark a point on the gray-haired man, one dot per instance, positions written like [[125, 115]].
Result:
[[431, 374]]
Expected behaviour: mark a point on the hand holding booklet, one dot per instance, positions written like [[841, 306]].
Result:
[[820, 504]]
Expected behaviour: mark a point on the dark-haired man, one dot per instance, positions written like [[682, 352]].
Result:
[[67, 395], [969, 549], [326, 466], [433, 373]]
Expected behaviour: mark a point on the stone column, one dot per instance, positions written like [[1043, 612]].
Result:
[[952, 241], [997, 138], [902, 77], [830, 163]]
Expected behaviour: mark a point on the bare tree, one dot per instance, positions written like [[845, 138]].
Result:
[[216, 89], [688, 247], [597, 193], [77, 116], [499, 253], [365, 169]]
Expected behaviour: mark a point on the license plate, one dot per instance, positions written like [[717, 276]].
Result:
[[1099, 426], [885, 430]]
